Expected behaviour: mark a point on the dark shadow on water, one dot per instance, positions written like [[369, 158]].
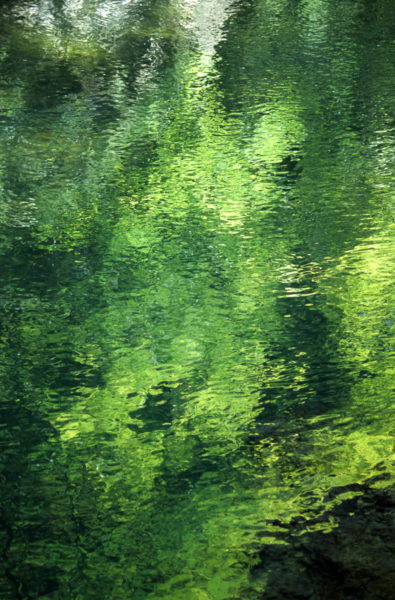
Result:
[[354, 561]]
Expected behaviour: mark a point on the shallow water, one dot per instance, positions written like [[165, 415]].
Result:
[[197, 259]]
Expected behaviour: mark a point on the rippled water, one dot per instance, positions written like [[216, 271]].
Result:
[[197, 259]]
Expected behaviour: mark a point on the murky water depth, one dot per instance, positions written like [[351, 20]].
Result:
[[197, 260]]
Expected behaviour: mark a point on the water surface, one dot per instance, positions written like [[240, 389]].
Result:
[[197, 259]]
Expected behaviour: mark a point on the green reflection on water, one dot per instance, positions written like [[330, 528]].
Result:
[[197, 298]]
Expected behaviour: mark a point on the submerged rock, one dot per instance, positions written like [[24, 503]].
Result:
[[354, 561]]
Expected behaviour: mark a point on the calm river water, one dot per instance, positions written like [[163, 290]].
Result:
[[197, 302]]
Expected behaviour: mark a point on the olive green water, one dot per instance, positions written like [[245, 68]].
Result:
[[197, 259]]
